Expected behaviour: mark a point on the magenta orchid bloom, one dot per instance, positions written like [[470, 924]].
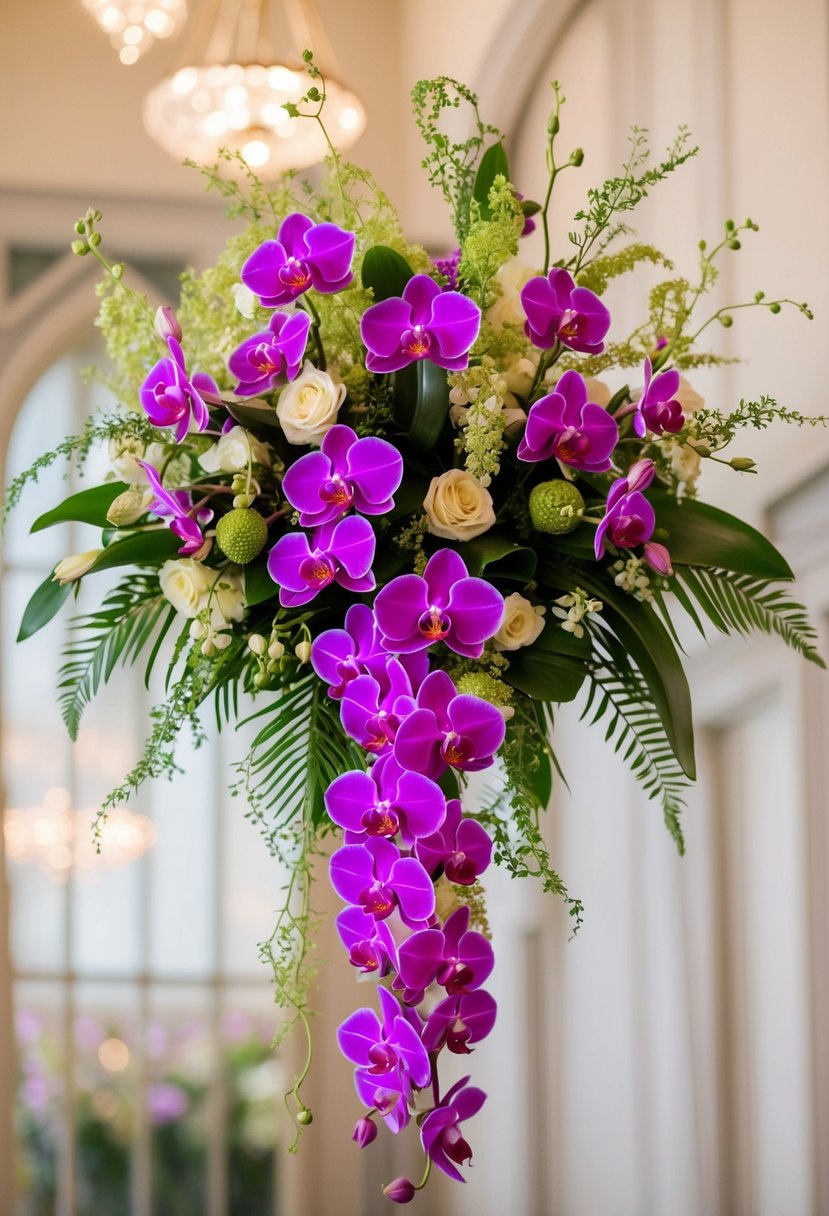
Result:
[[170, 398], [558, 311], [387, 1050], [369, 942], [372, 712], [339, 656], [177, 506], [441, 1133], [629, 518], [346, 472], [460, 1020], [390, 1103], [424, 323], [375, 877], [273, 355], [459, 958], [461, 845], [444, 605], [657, 410], [567, 426], [387, 801], [339, 553], [303, 255], [448, 728]]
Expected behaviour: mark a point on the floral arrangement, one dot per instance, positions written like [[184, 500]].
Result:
[[389, 497]]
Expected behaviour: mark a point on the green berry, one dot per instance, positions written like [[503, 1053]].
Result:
[[305, 1117], [556, 507], [241, 535]]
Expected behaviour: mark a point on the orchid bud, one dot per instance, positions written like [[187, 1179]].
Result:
[[303, 651], [72, 568], [365, 1131], [128, 507], [275, 651], [400, 1191], [198, 630], [166, 325], [640, 475], [743, 464], [257, 644], [658, 558], [577, 157]]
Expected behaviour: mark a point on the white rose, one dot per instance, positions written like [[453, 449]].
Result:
[[688, 397], [70, 569], [519, 377], [228, 600], [598, 392], [521, 625], [458, 506], [186, 583], [244, 299], [508, 309], [685, 462], [129, 506], [123, 454], [230, 454], [308, 407]]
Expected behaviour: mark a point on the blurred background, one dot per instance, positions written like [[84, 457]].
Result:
[[674, 1057]]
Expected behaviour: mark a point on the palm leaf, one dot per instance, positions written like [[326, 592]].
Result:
[[132, 613], [620, 695], [742, 603]]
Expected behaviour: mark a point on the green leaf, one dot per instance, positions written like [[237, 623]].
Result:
[[44, 604], [649, 644], [257, 417], [87, 507], [702, 535], [386, 272], [259, 586], [150, 547], [493, 162], [500, 557], [421, 402], [553, 668]]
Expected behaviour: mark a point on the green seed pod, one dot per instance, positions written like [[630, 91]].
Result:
[[556, 507], [241, 535]]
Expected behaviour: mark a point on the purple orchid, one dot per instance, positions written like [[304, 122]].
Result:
[[567, 426], [375, 877], [303, 255], [657, 410], [629, 518], [459, 958], [460, 1020], [658, 558], [449, 267], [444, 605], [339, 656], [424, 323], [346, 472], [558, 311], [441, 1134], [372, 712], [177, 506], [390, 1103], [369, 942], [169, 397], [390, 1050], [461, 845], [338, 553], [448, 728], [386, 801], [272, 355]]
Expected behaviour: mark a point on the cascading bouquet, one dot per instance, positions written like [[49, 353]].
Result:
[[395, 504]]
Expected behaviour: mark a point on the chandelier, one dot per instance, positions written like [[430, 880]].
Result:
[[133, 25], [231, 91], [58, 839]]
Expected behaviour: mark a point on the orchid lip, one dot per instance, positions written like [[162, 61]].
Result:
[[380, 821], [434, 624], [383, 1059], [456, 749], [364, 956], [377, 901], [317, 570]]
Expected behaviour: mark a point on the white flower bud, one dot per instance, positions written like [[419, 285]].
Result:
[[70, 569], [275, 651], [257, 644], [198, 630], [303, 652], [166, 324], [222, 640], [129, 507]]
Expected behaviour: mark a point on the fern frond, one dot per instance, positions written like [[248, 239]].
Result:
[[619, 693], [115, 633], [294, 758], [743, 603]]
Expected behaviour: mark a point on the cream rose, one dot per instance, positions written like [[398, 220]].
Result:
[[124, 454], [598, 392], [231, 452], [308, 407], [186, 583], [508, 309], [688, 397], [228, 600], [521, 625], [458, 507]]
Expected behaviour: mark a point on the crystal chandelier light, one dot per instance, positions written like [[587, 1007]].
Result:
[[133, 25], [58, 839], [230, 93]]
